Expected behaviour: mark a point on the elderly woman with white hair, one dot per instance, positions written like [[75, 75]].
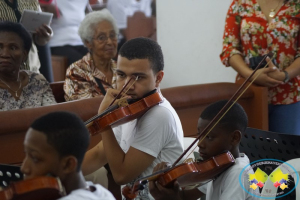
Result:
[[95, 72]]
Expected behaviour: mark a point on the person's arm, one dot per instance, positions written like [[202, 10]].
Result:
[[264, 78], [232, 51], [294, 69], [93, 159], [43, 34], [124, 166], [51, 8]]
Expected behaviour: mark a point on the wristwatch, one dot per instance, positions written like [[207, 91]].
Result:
[[287, 78]]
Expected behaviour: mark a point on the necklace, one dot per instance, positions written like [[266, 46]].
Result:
[[15, 91], [272, 11]]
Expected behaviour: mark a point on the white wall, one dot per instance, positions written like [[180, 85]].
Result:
[[190, 33]]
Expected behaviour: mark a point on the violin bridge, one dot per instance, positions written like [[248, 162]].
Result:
[[123, 103]]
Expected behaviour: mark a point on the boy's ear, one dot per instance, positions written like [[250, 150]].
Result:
[[159, 77], [69, 164], [236, 137]]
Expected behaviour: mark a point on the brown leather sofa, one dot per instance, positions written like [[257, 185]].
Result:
[[188, 101]]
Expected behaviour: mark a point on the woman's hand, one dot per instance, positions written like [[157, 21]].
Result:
[[277, 74], [43, 34], [267, 77]]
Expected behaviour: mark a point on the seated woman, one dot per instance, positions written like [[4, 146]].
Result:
[[19, 89], [94, 73]]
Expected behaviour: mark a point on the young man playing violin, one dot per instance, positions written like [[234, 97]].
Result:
[[226, 136], [55, 144], [134, 148]]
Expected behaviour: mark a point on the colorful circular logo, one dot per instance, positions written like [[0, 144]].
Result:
[[269, 178]]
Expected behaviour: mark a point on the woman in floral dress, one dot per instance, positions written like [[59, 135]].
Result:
[[95, 72], [19, 88], [254, 28]]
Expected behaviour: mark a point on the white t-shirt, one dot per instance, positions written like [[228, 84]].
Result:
[[65, 28], [140, 6], [227, 185], [81, 194], [118, 9], [157, 133]]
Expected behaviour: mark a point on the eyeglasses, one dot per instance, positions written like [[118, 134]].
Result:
[[104, 38]]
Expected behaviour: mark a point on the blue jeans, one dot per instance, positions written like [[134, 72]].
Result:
[[285, 118]]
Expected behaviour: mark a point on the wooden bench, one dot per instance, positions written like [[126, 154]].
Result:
[[59, 67], [189, 101]]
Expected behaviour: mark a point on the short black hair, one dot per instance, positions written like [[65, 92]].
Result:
[[235, 119], [66, 132], [18, 29], [144, 48]]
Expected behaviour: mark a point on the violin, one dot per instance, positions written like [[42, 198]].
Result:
[[191, 173], [123, 112], [40, 188]]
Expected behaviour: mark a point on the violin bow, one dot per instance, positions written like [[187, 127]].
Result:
[[113, 101], [124, 87], [227, 106]]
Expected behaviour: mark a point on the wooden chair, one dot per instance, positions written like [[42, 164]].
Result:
[[59, 67], [139, 25], [58, 91]]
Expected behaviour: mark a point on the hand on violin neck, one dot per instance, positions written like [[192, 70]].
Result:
[[161, 193], [161, 166], [112, 95]]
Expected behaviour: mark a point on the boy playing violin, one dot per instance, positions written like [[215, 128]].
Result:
[[55, 144], [134, 148], [226, 136]]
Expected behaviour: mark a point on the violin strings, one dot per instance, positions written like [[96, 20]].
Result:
[[96, 116]]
